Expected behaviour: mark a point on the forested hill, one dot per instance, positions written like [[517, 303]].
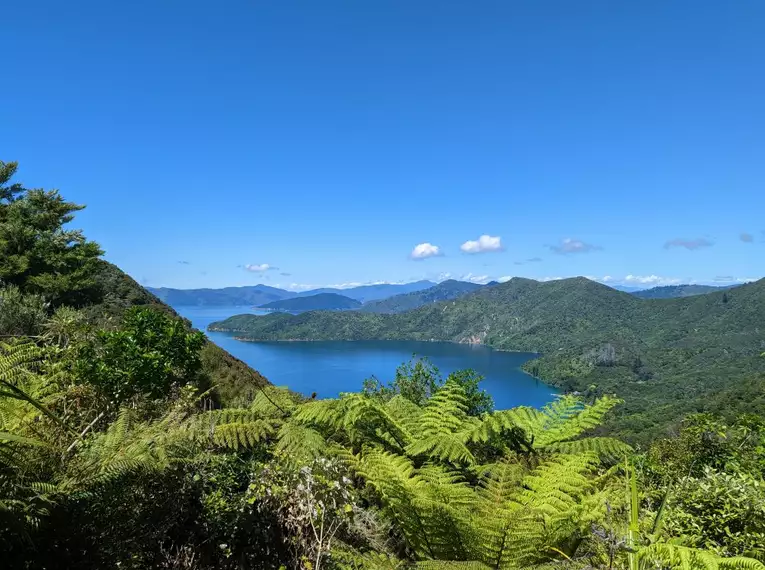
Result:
[[665, 357], [322, 301], [230, 376], [450, 289], [672, 291]]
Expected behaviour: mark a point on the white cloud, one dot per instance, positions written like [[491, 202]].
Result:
[[651, 280], [259, 267], [481, 279], [351, 284], [425, 250], [300, 287], [505, 278], [483, 244], [570, 245], [690, 244]]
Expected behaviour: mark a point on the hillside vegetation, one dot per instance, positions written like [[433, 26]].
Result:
[[444, 291], [321, 301], [666, 358], [673, 291]]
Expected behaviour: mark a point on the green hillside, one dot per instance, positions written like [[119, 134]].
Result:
[[673, 291], [322, 301], [450, 289], [231, 377], [664, 357]]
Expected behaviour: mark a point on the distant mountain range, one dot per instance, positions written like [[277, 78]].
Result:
[[256, 295], [383, 298], [666, 358], [674, 291], [319, 302], [366, 293]]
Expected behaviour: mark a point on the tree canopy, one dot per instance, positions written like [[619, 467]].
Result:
[[37, 253]]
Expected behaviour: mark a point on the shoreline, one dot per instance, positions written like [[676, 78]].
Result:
[[536, 355], [247, 339]]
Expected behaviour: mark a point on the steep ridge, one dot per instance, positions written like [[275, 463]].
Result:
[[322, 301], [230, 376], [450, 289], [367, 293]]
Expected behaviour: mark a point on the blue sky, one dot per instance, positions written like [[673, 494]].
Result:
[[316, 143]]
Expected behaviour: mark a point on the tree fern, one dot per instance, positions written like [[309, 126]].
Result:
[[357, 417], [495, 512], [402, 493], [232, 428], [674, 557], [130, 445], [607, 448], [19, 382], [271, 401], [300, 445], [568, 418], [444, 433], [406, 414]]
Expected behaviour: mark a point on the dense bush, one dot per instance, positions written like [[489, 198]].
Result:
[[150, 354]]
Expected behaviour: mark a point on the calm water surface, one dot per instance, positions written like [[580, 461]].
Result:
[[331, 367]]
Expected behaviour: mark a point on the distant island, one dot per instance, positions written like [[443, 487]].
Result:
[[320, 302], [675, 291]]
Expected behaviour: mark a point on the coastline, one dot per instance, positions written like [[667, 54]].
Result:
[[536, 354]]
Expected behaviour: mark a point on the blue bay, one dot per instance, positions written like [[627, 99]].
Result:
[[331, 367]]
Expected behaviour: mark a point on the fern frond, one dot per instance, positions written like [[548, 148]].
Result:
[[300, 445], [400, 489], [272, 401], [568, 417], [448, 501], [359, 417], [242, 435], [500, 427], [406, 413], [451, 565], [674, 557], [446, 427], [495, 511], [607, 448], [449, 447]]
